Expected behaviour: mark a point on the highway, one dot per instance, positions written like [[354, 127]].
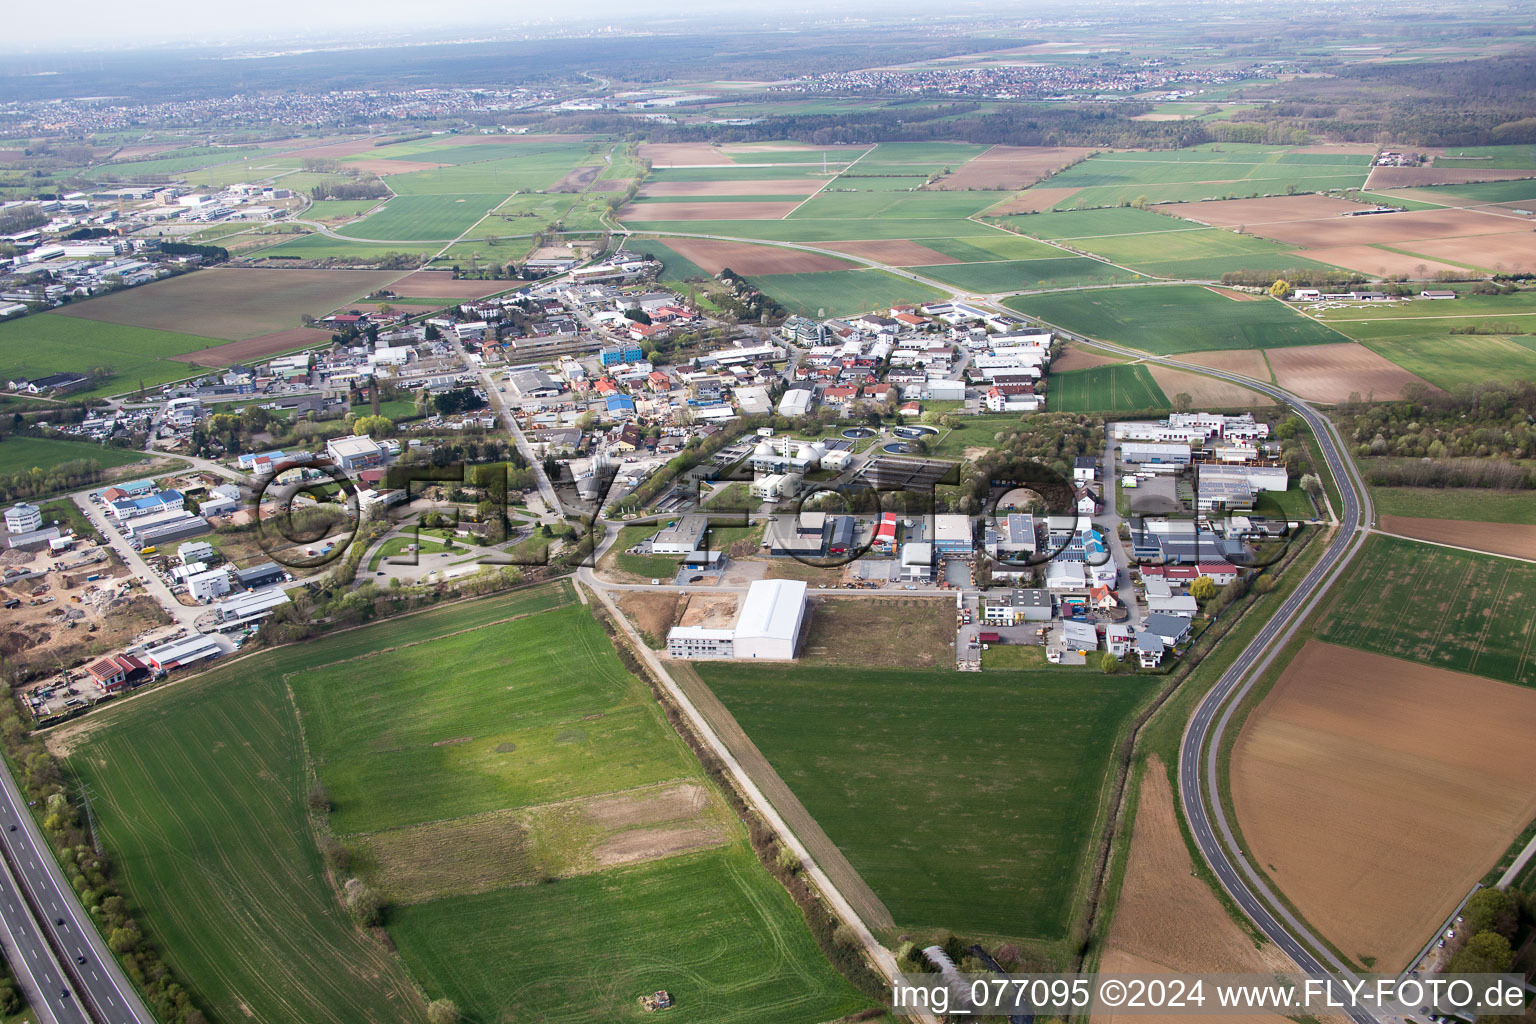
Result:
[[1201, 746], [70, 991]]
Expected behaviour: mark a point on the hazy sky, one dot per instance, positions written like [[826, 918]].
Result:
[[95, 22]]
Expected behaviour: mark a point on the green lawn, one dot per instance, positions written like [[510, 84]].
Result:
[[966, 801], [842, 292], [1438, 606], [35, 346], [1480, 504], [396, 547], [1175, 318], [415, 218], [18, 454], [339, 209], [1105, 389]]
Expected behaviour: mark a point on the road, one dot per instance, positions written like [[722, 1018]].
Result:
[[1201, 746], [99, 981]]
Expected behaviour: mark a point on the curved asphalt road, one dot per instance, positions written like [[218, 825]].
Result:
[[96, 990], [1203, 736]]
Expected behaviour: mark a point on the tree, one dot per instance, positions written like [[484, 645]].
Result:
[[442, 1011], [319, 799], [1484, 953], [1202, 589], [1183, 402], [362, 903], [1280, 289], [1108, 663], [1492, 910], [373, 426], [1311, 484]]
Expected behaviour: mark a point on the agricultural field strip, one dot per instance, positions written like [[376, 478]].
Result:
[[848, 167]]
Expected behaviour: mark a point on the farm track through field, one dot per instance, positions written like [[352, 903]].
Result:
[[823, 850]]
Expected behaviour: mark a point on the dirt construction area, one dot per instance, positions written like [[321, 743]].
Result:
[[745, 258], [1010, 167], [1075, 357], [1498, 538], [859, 631], [439, 284], [1167, 919], [1331, 373], [1375, 792]]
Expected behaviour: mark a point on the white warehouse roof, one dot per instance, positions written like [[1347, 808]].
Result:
[[772, 610]]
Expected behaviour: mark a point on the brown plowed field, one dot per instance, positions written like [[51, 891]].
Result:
[[1034, 201], [894, 252], [1354, 148], [745, 258], [233, 302], [439, 284], [477, 140], [1375, 792], [707, 211], [577, 179], [1010, 167], [253, 349], [1370, 260], [343, 148], [1075, 357], [1167, 919], [1231, 213], [1234, 294], [1205, 391], [682, 154], [1499, 538], [1389, 228], [1412, 177], [735, 187], [1329, 373], [1513, 251], [1247, 361]]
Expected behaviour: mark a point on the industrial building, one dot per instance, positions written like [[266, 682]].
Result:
[[23, 518], [952, 536], [680, 537], [205, 586], [767, 627], [1156, 453], [350, 453], [1017, 607]]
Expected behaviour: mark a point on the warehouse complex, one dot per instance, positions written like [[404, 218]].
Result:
[[767, 627]]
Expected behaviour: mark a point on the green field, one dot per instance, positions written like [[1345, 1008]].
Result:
[[966, 801], [18, 454], [842, 292], [797, 229], [831, 205], [711, 928], [1175, 318], [1105, 389], [1438, 606], [424, 217], [1025, 275], [45, 343], [415, 766], [1096, 223], [994, 246], [1480, 504], [1211, 171], [319, 247], [1460, 360], [199, 791], [339, 209], [1488, 157], [210, 832], [1197, 244], [1519, 191]]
